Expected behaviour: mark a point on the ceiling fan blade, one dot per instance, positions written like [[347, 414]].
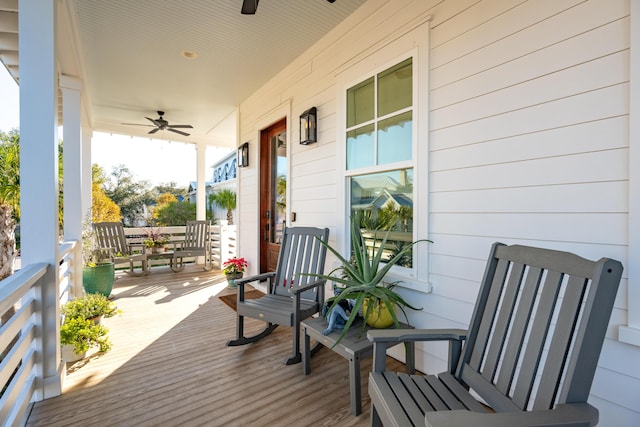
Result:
[[178, 131], [154, 121], [135, 124], [154, 130], [181, 126], [249, 7]]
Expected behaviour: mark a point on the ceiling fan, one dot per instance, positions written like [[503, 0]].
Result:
[[161, 124], [249, 7]]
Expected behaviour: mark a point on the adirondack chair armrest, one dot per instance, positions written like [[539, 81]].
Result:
[[385, 338], [573, 414], [299, 289]]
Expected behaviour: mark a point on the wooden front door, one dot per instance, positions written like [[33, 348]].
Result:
[[273, 186]]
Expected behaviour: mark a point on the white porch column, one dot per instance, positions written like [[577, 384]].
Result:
[[71, 88], [86, 200], [201, 190], [39, 177]]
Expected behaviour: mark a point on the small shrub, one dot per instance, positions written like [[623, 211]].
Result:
[[84, 334], [89, 307]]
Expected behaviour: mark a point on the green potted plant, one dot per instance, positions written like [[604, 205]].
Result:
[[156, 241], [360, 278], [91, 306], [78, 335], [98, 272], [81, 328]]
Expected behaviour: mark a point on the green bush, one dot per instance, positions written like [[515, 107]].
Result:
[[176, 213]]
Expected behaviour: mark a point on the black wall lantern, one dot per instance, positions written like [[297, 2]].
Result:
[[243, 155], [309, 126]]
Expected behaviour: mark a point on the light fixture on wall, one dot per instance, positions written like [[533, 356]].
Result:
[[243, 155], [309, 126]]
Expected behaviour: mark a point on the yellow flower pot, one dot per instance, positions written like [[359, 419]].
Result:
[[379, 315]]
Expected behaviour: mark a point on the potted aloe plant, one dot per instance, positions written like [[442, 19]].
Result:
[[360, 278]]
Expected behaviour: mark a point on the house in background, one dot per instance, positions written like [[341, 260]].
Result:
[[504, 120]]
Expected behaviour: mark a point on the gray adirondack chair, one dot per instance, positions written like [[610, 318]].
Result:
[[110, 237], [530, 352], [197, 242], [293, 295]]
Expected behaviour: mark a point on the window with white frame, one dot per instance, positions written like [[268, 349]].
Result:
[[379, 159]]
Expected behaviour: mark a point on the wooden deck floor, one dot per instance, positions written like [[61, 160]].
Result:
[[170, 367]]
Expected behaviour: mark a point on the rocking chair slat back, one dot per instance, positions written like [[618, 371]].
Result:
[[516, 344], [301, 254], [530, 352]]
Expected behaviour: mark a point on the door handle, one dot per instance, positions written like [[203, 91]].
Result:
[[266, 232]]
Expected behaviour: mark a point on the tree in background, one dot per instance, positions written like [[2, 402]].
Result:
[[176, 213], [162, 201], [226, 199], [103, 208], [132, 196], [9, 199], [180, 193]]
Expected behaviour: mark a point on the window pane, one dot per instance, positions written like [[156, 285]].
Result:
[[394, 88], [386, 203], [360, 147], [360, 103], [394, 138]]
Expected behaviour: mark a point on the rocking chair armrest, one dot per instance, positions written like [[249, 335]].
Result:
[[385, 338], [395, 336], [571, 414], [299, 289], [138, 246], [256, 278]]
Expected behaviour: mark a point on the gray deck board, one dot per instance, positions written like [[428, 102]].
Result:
[[170, 366]]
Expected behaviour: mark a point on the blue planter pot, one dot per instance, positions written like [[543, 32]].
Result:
[[98, 279], [231, 279]]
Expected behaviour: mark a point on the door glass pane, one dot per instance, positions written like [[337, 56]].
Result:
[[278, 186], [394, 138], [360, 146], [385, 201], [395, 88], [360, 103]]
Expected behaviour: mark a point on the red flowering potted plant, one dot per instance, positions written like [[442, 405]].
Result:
[[233, 269]]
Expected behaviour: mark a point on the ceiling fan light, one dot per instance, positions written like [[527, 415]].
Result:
[[189, 54]]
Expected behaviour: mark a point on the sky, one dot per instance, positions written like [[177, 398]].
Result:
[[156, 161]]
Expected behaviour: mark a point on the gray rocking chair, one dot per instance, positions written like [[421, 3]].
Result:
[[292, 295], [197, 242], [530, 352], [110, 237]]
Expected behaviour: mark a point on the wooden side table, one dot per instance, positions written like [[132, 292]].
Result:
[[159, 255], [354, 347]]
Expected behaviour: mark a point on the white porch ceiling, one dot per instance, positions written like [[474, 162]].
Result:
[[128, 53]]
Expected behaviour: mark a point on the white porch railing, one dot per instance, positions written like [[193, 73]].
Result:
[[21, 343]]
